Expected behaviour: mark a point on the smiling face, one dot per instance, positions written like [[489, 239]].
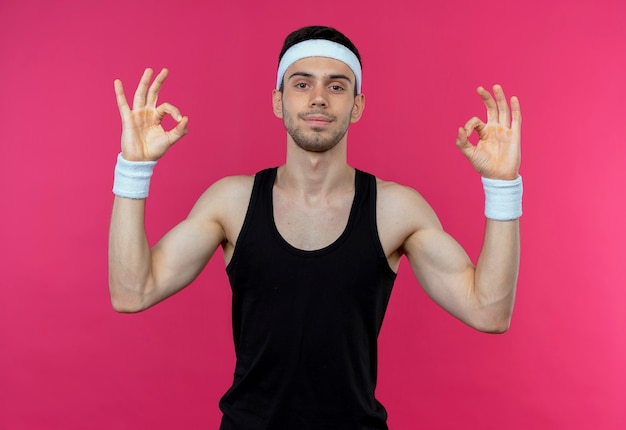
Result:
[[317, 103]]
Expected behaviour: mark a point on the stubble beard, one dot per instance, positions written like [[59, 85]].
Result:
[[316, 139]]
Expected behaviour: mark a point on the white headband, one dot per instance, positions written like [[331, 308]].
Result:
[[319, 48]]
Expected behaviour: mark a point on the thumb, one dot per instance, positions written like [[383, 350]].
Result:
[[462, 141]]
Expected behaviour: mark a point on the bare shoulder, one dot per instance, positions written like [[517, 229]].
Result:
[[224, 204], [398, 203], [229, 189], [400, 213]]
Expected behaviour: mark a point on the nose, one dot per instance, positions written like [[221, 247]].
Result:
[[318, 98]]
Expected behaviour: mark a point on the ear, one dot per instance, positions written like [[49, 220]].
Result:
[[277, 103], [359, 106]]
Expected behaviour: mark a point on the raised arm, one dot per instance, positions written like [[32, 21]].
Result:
[[482, 295], [139, 276]]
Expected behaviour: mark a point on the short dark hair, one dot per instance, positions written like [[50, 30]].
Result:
[[317, 32]]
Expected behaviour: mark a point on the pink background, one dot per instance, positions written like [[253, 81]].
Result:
[[68, 361]]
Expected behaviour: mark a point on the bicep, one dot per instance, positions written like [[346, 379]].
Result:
[[184, 251], [179, 257], [442, 267]]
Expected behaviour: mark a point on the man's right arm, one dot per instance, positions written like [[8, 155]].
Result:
[[140, 276]]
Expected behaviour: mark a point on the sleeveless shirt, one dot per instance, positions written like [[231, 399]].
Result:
[[306, 323]]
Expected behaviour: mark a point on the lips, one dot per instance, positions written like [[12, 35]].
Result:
[[317, 119]]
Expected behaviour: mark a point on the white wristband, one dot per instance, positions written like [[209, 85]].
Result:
[[503, 199], [132, 178]]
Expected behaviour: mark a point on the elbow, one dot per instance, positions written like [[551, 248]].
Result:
[[494, 322], [497, 324], [499, 328], [493, 316], [124, 301], [123, 307]]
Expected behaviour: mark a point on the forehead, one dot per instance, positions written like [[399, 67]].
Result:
[[320, 66]]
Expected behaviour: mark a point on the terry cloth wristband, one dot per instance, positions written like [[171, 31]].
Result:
[[132, 178], [503, 199]]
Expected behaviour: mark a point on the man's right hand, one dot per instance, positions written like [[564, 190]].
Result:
[[143, 137]]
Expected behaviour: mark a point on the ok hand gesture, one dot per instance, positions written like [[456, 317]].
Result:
[[143, 137], [497, 154]]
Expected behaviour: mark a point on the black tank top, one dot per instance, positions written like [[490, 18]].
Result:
[[305, 323]]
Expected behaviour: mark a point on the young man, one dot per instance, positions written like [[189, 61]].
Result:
[[312, 247]]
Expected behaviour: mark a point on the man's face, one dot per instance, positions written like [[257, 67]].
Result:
[[317, 103]]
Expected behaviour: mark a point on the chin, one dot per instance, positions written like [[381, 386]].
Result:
[[316, 147]]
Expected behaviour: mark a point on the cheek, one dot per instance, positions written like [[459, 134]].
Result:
[[289, 109], [284, 111]]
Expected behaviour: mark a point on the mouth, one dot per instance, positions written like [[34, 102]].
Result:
[[317, 120]]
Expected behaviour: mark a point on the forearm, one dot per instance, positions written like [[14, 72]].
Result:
[[495, 276], [129, 255]]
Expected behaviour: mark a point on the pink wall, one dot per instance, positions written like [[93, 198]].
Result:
[[68, 361]]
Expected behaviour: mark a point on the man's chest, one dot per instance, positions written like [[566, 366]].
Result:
[[312, 224]]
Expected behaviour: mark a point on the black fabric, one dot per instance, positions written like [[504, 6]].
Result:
[[305, 323]]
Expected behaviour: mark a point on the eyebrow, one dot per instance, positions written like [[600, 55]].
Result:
[[330, 77]]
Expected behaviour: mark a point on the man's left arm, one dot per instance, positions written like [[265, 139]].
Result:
[[482, 295]]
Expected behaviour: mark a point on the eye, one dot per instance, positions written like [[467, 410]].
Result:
[[336, 88], [302, 85]]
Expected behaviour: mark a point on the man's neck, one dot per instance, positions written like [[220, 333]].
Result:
[[315, 173]]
